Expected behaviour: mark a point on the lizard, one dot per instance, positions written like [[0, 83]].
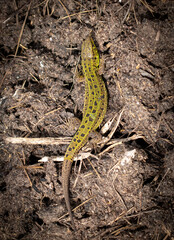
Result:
[[95, 105]]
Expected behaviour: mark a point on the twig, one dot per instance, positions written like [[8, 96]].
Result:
[[3, 80], [74, 209], [162, 179], [35, 141], [14, 13], [121, 141], [94, 169], [65, 10], [22, 29], [25, 171], [46, 114], [74, 14]]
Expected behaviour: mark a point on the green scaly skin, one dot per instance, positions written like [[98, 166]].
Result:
[[95, 105]]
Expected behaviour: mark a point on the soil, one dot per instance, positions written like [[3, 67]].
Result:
[[123, 189]]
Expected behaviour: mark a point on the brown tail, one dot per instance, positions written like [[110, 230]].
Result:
[[65, 182]]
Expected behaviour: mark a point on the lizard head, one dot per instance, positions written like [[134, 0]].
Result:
[[89, 50]]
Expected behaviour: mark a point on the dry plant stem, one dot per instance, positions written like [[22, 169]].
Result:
[[162, 179], [123, 6], [25, 171], [74, 209], [15, 6], [46, 8], [14, 13], [74, 14], [65, 10], [123, 214], [113, 129], [120, 198], [94, 169], [121, 141], [135, 15], [128, 227], [76, 180], [31, 167], [3, 80], [130, 5], [46, 114], [147, 6], [35, 141], [22, 29]]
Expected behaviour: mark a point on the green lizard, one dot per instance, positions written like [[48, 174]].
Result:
[[95, 105]]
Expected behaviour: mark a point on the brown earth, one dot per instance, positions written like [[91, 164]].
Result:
[[125, 191]]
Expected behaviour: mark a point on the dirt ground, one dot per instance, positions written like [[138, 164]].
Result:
[[123, 189]]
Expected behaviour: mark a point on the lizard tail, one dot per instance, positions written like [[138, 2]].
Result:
[[65, 182]]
